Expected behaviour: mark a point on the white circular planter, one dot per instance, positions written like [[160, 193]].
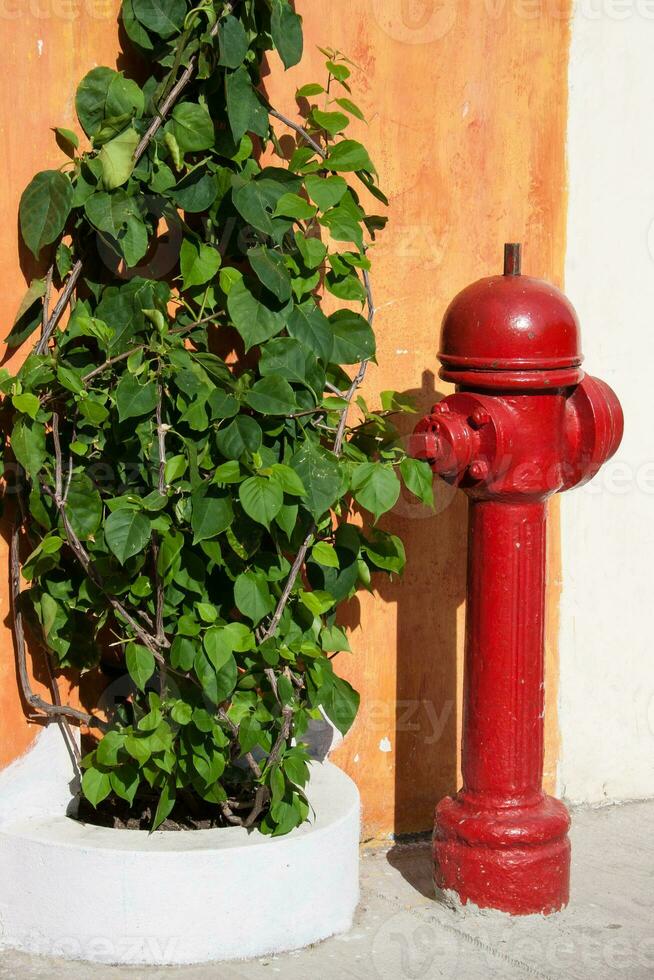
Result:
[[124, 896]]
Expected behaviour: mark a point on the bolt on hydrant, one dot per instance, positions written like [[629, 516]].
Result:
[[524, 423]]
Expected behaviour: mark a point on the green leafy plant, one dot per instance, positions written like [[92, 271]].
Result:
[[188, 452]]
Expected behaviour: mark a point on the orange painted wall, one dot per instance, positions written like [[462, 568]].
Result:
[[47, 45], [466, 103]]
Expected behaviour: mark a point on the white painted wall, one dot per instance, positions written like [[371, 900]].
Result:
[[607, 623]]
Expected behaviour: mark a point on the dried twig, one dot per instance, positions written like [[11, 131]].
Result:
[[356, 384], [307, 411], [260, 799], [261, 795], [134, 350], [168, 104], [84, 559], [272, 680]]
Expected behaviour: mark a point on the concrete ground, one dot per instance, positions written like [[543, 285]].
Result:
[[401, 933]]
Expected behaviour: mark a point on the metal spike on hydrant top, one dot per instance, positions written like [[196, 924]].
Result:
[[524, 423], [512, 258]]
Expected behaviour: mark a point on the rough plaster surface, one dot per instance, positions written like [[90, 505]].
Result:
[[120, 896], [606, 682], [401, 933]]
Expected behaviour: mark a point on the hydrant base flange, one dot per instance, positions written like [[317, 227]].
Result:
[[515, 860]]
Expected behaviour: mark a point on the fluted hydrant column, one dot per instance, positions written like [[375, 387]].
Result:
[[502, 755], [524, 423]]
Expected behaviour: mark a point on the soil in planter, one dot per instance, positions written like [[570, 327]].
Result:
[[187, 814]]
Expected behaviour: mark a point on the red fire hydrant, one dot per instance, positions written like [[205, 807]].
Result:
[[524, 423]]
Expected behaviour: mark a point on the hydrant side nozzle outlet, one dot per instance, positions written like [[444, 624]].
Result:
[[595, 425], [457, 439], [523, 424]]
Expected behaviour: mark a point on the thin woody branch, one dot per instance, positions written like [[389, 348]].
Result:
[[300, 131], [152, 130], [117, 358], [230, 816], [233, 727], [342, 426], [174, 94], [271, 628], [262, 794], [84, 559], [34, 701], [338, 449], [59, 308], [161, 485], [83, 556], [161, 440], [46, 300], [110, 362]]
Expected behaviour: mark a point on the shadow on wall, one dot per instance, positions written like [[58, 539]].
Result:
[[428, 598]]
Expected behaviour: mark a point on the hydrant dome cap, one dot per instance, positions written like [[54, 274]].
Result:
[[511, 324]]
